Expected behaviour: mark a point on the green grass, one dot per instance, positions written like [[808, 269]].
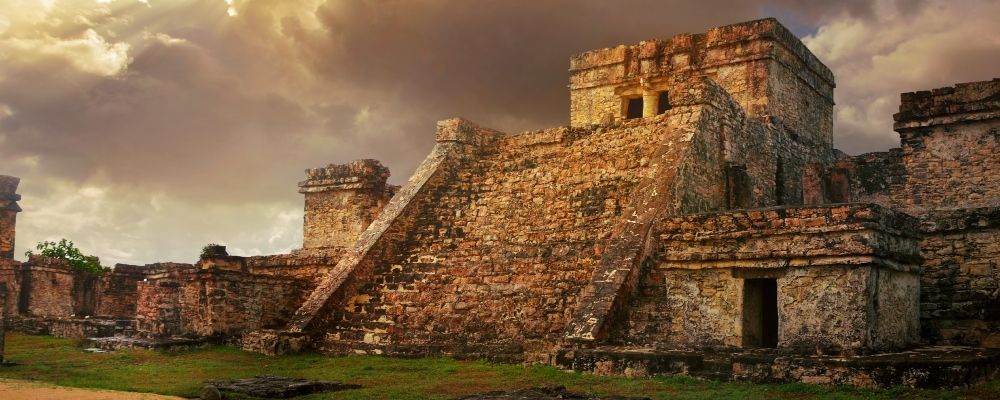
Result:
[[62, 362]]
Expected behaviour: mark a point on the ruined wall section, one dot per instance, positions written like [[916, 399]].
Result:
[[825, 260], [116, 292], [48, 287], [158, 309], [341, 201], [220, 302], [308, 264], [8, 214], [950, 137], [875, 178], [960, 293]]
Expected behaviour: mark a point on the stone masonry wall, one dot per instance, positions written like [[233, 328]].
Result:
[[117, 291], [8, 214], [158, 304], [10, 275], [949, 140], [341, 201], [48, 287], [217, 302], [960, 297], [846, 277]]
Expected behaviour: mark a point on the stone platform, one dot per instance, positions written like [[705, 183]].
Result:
[[166, 344], [926, 367]]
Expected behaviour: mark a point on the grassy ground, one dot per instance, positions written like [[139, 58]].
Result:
[[63, 362]]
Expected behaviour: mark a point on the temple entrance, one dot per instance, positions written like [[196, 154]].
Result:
[[760, 313]]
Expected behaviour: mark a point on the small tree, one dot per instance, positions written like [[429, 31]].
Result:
[[66, 250]]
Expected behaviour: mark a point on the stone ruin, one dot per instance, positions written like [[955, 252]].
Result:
[[693, 218]]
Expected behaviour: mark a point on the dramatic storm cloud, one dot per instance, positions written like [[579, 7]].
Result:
[[146, 129]]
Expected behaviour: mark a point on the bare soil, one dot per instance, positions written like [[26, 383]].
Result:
[[13, 389]]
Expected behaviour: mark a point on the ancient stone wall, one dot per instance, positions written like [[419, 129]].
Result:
[[116, 291], [8, 214], [341, 201], [219, 302], [846, 279], [307, 264], [48, 287], [949, 138], [960, 296], [158, 305], [10, 275]]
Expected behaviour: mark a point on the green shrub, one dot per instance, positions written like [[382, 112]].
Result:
[[66, 250]]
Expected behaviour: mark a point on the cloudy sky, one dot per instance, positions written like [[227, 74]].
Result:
[[143, 130]]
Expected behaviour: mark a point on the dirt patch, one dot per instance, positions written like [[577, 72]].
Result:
[[11, 389]]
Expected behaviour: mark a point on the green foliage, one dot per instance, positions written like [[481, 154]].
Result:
[[213, 250], [66, 250]]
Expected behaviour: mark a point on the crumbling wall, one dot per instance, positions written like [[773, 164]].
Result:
[[846, 279], [950, 159], [341, 201], [10, 276], [117, 293], [960, 296], [219, 302], [308, 264], [50, 287], [8, 214], [158, 305], [949, 140]]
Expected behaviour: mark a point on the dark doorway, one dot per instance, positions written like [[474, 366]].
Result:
[[634, 108], [664, 103], [760, 313]]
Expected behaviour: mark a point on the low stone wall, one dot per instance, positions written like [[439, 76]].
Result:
[[960, 296], [218, 302], [117, 291], [158, 308]]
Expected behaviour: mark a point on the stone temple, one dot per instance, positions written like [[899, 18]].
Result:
[[693, 218]]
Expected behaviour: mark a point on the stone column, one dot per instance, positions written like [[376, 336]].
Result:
[[341, 201], [650, 103], [8, 214]]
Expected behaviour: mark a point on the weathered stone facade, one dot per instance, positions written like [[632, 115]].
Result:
[[8, 214], [341, 201], [693, 217]]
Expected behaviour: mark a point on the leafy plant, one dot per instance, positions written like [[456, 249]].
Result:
[[213, 250], [66, 250]]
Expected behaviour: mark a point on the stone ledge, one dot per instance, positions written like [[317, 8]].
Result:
[[962, 102], [938, 221]]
